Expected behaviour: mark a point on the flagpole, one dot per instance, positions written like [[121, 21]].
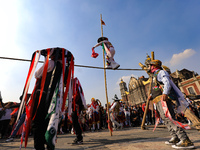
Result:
[[105, 79]]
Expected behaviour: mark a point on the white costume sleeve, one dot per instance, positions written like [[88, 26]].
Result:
[[113, 106], [164, 77], [98, 44]]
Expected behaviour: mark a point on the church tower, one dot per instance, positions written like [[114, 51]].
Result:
[[124, 91]]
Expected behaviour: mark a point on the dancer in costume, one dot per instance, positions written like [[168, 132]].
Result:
[[94, 115], [117, 113], [41, 107], [163, 89], [47, 101], [76, 107], [110, 52]]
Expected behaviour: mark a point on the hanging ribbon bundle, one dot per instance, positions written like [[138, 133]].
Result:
[[76, 92], [58, 55]]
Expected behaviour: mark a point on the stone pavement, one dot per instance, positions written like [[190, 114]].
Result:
[[132, 138]]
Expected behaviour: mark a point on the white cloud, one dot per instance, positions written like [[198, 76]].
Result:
[[181, 57], [126, 79]]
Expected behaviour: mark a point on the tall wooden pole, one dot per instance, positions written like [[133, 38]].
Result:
[[152, 55], [147, 106], [149, 92], [105, 78]]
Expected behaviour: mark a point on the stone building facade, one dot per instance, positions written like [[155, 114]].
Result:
[[187, 81], [124, 91], [137, 92]]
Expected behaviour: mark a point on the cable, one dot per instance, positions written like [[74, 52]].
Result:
[[74, 65]]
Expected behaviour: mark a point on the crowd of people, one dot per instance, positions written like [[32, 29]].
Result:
[[132, 117]]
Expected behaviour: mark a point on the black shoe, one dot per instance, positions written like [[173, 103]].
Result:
[[77, 142]]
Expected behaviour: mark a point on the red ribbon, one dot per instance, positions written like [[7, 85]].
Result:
[[43, 79], [14, 111], [29, 111], [71, 72], [168, 115], [109, 125]]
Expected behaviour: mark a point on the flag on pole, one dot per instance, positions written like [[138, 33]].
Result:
[[102, 22]]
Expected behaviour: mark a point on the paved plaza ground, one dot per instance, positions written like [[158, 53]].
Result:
[[132, 138]]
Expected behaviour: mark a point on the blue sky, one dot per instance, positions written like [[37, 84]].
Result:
[[170, 28]]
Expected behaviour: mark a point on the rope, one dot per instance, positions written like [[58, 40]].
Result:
[[18, 59]]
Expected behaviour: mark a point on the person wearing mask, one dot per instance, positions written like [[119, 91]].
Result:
[[162, 90]]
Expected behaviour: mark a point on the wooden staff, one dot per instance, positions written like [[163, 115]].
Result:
[[147, 105], [149, 92], [105, 78], [152, 55]]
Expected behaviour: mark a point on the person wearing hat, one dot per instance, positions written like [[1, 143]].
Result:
[[117, 113], [163, 89], [110, 52], [94, 118]]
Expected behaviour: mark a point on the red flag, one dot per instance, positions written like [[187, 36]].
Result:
[[102, 22]]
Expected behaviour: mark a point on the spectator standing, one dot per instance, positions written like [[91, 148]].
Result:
[[127, 116]]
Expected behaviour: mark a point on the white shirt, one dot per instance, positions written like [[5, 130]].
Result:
[[164, 77], [108, 44]]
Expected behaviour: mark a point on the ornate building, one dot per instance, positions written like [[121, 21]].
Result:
[[124, 91], [187, 81], [137, 93]]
